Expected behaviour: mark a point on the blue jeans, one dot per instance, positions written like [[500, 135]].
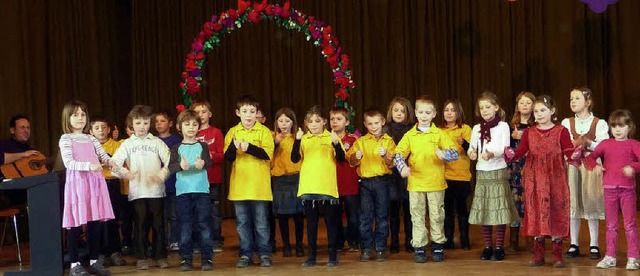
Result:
[[252, 224], [171, 228], [195, 212], [374, 201], [350, 205], [215, 191]]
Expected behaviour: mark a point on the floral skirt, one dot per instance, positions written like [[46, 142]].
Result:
[[492, 201]]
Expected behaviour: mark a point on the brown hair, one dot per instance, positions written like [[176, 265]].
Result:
[[314, 110], [372, 112], [547, 101], [70, 108], [491, 98], [515, 121], [98, 119], [200, 103], [622, 117], [424, 99], [458, 109], [140, 111], [340, 110], [587, 94], [248, 100], [409, 118], [164, 112], [186, 115], [289, 114]]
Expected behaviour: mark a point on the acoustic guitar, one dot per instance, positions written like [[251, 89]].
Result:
[[28, 166]]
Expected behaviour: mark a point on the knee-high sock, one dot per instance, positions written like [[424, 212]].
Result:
[[575, 230], [487, 232], [593, 231], [500, 229]]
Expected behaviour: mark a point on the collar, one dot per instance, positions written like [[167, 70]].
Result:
[[325, 133], [149, 136], [590, 117]]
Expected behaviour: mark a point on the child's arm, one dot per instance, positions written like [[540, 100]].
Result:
[[118, 159], [512, 155], [389, 153], [402, 150], [66, 151], [473, 144], [217, 156], [295, 152], [204, 156], [498, 144], [354, 154], [175, 165], [230, 146], [165, 157], [102, 155], [337, 147], [590, 162]]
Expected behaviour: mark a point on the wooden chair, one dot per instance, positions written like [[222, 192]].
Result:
[[6, 214]]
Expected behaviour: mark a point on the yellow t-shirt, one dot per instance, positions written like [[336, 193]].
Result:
[[427, 170], [318, 170], [371, 164], [250, 176], [460, 169], [281, 164], [110, 147]]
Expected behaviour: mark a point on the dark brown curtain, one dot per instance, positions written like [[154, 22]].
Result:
[[116, 53]]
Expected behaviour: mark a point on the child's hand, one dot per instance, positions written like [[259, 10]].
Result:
[[381, 150], [598, 170], [440, 154], [115, 133], [131, 175], [460, 140], [628, 171], [199, 163], [359, 154], [334, 137], [406, 172], [577, 153], [95, 167], [244, 145], [278, 137], [184, 164], [516, 134], [154, 179], [235, 142], [473, 155], [299, 134], [486, 155]]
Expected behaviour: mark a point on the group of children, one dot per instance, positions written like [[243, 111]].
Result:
[[404, 161]]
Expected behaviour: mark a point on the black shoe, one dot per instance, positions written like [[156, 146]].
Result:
[[299, 250], [333, 261], [309, 262], [486, 254], [420, 255], [286, 251], [98, 268], [408, 248], [244, 262], [448, 244], [365, 256], [186, 265], [394, 249], [265, 261], [381, 256], [437, 252], [594, 253], [498, 254], [207, 265], [574, 253]]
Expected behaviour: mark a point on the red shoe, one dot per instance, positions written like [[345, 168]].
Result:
[[537, 259], [558, 260]]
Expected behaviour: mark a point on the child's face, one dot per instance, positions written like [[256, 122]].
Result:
[[189, 128], [449, 112], [284, 124], [338, 122], [398, 113], [78, 120], [425, 112], [542, 113], [100, 130], [374, 125], [141, 126], [315, 124], [620, 132], [247, 114], [524, 106], [129, 131], [203, 113], [260, 117], [487, 110], [162, 124], [578, 101]]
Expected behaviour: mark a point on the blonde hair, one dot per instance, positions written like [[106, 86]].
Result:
[[314, 110], [70, 108], [409, 118], [515, 121], [491, 98], [424, 99]]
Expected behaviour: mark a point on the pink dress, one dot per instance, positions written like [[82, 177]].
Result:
[[86, 197]]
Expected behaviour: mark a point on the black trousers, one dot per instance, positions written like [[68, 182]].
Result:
[[331, 219], [94, 233], [152, 208], [455, 201]]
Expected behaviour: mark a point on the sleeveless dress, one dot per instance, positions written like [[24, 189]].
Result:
[[86, 197], [546, 193]]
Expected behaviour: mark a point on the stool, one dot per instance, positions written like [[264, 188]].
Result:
[[6, 213]]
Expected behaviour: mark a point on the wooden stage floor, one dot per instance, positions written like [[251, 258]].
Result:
[[457, 261]]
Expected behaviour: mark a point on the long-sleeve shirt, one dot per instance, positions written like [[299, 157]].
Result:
[[147, 156], [522, 149], [500, 139], [318, 171], [66, 151], [582, 126], [616, 155], [460, 169], [214, 139], [191, 180], [170, 183]]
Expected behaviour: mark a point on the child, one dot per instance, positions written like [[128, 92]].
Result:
[[400, 118], [163, 123], [544, 178], [99, 128], [492, 203], [522, 119], [347, 182], [457, 174], [372, 154], [86, 197], [212, 136], [621, 157], [189, 161], [319, 151], [585, 187], [422, 148], [126, 212], [285, 176], [147, 160], [249, 146]]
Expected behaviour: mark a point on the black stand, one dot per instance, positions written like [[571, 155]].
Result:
[[43, 201]]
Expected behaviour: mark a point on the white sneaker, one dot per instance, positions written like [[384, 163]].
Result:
[[174, 247], [632, 264], [607, 262]]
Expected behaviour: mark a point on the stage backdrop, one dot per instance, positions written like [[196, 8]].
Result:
[[113, 54]]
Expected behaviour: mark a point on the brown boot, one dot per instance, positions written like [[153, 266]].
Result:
[[537, 259], [514, 239], [558, 260]]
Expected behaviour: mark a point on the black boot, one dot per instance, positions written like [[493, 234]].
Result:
[[514, 239]]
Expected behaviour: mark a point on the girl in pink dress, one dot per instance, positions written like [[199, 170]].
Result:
[[86, 198]]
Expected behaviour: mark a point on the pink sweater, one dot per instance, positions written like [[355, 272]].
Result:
[[615, 156]]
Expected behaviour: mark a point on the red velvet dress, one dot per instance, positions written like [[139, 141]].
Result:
[[546, 193]]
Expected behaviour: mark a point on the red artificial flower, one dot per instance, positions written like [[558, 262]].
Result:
[[326, 30], [243, 6], [191, 82], [180, 108], [333, 61], [334, 39], [342, 94], [191, 56], [301, 20], [286, 9], [191, 65], [342, 81], [184, 76], [200, 56], [311, 27], [254, 17], [345, 61], [233, 14], [260, 7], [193, 90], [207, 30], [217, 27], [328, 50], [269, 10], [312, 19]]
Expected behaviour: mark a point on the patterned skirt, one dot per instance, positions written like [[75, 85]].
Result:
[[492, 201]]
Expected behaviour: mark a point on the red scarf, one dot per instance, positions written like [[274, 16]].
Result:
[[485, 129]]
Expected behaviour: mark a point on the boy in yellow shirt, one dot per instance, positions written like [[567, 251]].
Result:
[[372, 154], [423, 146], [249, 147]]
